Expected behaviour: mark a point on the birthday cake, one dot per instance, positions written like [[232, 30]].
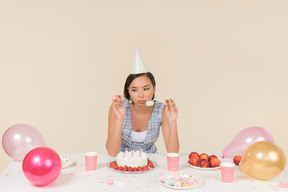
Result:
[[132, 159]]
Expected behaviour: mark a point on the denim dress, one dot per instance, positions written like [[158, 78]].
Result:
[[153, 130]]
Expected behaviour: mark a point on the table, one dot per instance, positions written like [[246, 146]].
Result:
[[75, 178]]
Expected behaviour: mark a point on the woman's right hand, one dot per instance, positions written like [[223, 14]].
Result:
[[118, 108]]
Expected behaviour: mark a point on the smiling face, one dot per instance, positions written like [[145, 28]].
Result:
[[141, 90]]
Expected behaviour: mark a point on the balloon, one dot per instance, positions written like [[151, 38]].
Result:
[[245, 138], [42, 166], [19, 139], [263, 160]]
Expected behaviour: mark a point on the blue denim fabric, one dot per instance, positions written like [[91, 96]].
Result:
[[153, 130]]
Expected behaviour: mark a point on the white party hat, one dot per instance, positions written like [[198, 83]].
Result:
[[138, 66]]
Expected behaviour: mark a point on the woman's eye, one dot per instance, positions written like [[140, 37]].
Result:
[[146, 89], [134, 90]]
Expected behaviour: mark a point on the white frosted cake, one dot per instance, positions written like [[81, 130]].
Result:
[[132, 159]]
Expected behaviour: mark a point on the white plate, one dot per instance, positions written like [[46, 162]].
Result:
[[196, 183], [133, 172], [66, 161], [203, 168]]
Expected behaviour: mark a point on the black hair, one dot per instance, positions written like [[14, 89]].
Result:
[[131, 77]]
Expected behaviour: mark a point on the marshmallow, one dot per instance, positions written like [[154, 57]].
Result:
[[114, 97], [171, 182], [163, 179], [149, 103]]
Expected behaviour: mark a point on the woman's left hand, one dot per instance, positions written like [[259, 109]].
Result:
[[171, 111]]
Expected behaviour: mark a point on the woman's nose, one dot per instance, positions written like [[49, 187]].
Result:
[[141, 94]]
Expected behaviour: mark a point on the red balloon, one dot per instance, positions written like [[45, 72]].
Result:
[[42, 166]]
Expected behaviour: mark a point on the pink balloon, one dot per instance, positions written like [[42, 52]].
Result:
[[19, 139], [42, 166], [244, 139]]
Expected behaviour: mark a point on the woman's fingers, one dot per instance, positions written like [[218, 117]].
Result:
[[115, 105], [116, 97], [170, 104], [121, 101], [167, 104]]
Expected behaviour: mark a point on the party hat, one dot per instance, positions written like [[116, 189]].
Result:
[[138, 66]]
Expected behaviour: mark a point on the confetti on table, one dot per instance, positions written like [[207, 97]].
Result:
[[271, 185], [283, 185], [111, 181], [148, 186]]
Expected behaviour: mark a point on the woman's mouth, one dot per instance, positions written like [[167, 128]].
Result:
[[142, 101]]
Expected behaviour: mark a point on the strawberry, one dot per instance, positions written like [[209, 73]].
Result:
[[145, 168], [130, 169], [134, 169], [139, 169], [125, 169], [112, 163], [120, 168], [115, 167], [150, 164]]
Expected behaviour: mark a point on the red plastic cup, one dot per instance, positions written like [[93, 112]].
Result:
[[173, 161], [227, 172], [91, 161]]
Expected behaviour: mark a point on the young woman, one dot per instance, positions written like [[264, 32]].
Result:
[[133, 125]]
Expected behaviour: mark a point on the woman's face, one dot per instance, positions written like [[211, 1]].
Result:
[[141, 90]]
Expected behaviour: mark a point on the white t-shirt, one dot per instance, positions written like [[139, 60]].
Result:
[[138, 136]]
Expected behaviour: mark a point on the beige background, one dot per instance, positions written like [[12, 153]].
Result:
[[224, 63]]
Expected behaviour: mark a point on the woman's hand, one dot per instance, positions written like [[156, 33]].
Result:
[[169, 126], [171, 111], [116, 117], [119, 108]]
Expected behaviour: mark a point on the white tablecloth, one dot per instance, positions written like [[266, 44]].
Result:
[[75, 178]]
